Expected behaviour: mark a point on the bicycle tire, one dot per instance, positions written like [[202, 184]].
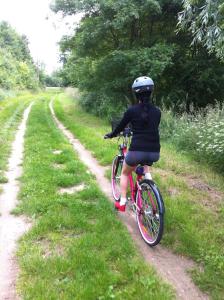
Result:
[[150, 212], [115, 176]]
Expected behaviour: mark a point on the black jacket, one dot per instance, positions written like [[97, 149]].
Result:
[[145, 120]]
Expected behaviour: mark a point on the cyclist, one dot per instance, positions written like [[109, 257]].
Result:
[[144, 118]]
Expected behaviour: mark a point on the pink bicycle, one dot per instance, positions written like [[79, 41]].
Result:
[[145, 197]]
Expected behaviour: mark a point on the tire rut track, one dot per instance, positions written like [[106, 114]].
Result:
[[172, 268], [11, 227]]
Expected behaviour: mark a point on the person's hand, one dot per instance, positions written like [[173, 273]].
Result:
[[108, 136]]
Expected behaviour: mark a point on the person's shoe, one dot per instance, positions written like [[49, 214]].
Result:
[[119, 207]]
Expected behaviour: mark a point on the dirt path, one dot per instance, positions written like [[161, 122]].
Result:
[[171, 267], [11, 227]]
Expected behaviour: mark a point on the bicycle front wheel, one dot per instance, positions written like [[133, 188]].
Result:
[[150, 212], [116, 176]]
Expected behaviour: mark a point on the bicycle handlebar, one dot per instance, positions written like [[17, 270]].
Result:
[[125, 133]]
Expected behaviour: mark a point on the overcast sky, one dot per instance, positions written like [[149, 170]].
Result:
[[42, 27]]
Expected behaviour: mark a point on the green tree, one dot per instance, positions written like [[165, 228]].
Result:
[[17, 70], [119, 40], [55, 79], [205, 20]]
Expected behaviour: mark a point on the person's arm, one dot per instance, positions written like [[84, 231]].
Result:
[[123, 123], [160, 116], [121, 126]]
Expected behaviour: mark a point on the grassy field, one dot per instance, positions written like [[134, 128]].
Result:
[[77, 248], [11, 111], [193, 196]]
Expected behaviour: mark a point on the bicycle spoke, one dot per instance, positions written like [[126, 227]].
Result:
[[155, 226], [148, 218], [115, 179]]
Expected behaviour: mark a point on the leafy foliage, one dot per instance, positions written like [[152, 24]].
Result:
[[205, 20], [17, 70], [107, 80], [117, 41], [50, 80], [195, 77], [54, 80]]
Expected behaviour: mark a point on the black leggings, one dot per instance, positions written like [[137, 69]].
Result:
[[134, 158]]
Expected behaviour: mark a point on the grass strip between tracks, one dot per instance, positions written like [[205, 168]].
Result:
[[77, 248], [194, 224], [11, 111]]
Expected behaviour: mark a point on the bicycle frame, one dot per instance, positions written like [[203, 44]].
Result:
[[134, 186]]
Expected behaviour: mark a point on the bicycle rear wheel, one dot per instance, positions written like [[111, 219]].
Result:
[[150, 212], [115, 177]]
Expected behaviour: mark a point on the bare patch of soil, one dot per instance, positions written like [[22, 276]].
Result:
[[57, 152], [212, 198], [50, 250], [73, 235], [58, 166], [198, 184], [11, 227], [72, 190], [162, 173], [92, 221], [172, 268], [173, 191], [201, 186]]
